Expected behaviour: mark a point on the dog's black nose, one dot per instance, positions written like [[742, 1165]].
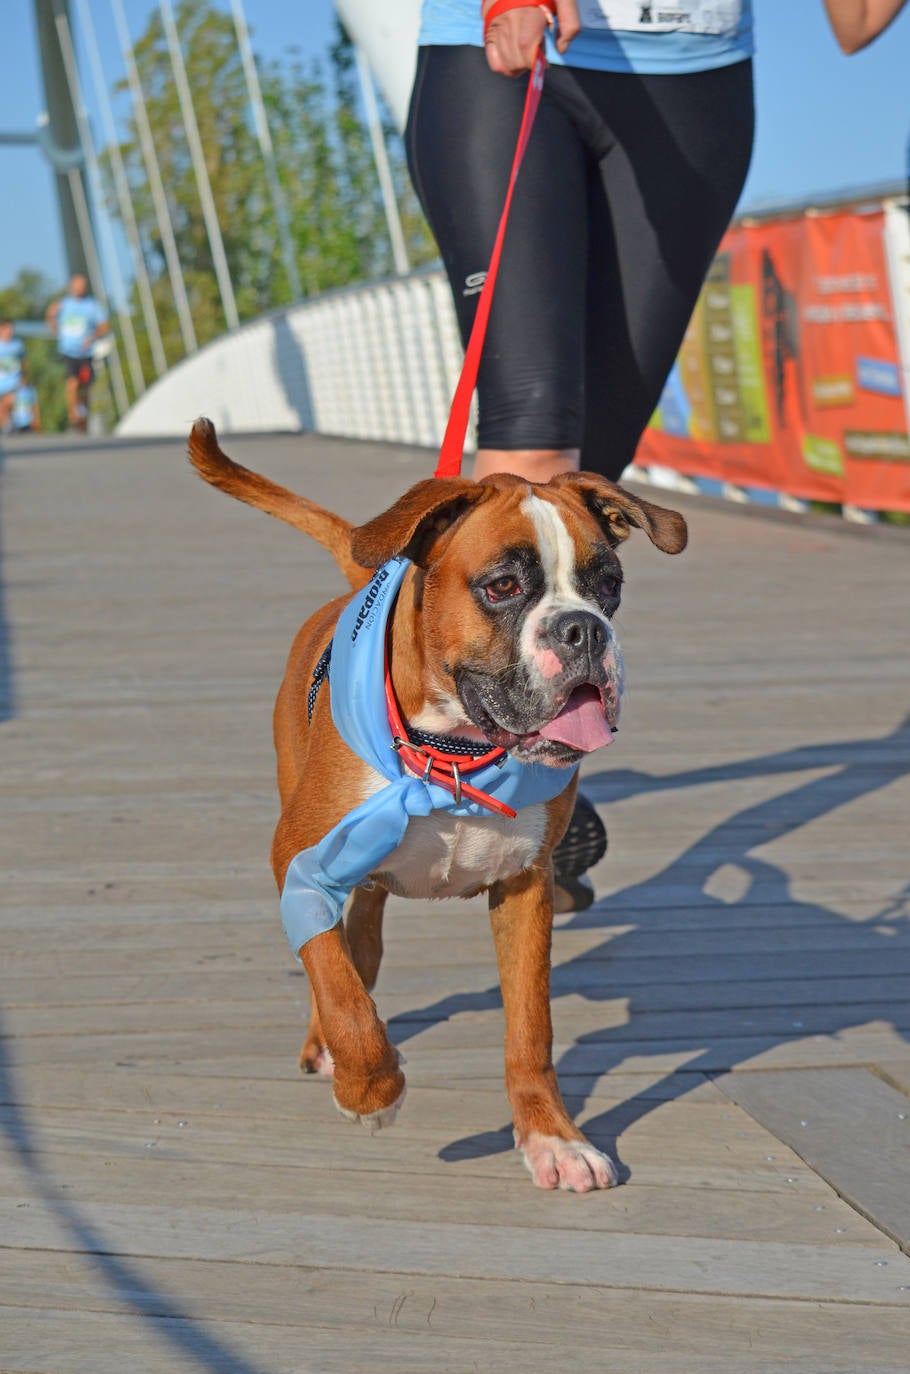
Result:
[[580, 632]]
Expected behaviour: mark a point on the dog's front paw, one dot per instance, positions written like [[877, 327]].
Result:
[[573, 1165], [373, 1098], [376, 1121]]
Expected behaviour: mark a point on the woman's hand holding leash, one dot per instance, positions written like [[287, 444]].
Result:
[[514, 30]]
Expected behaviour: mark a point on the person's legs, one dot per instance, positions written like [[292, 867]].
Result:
[[661, 200], [536, 464], [461, 139], [71, 390], [72, 400], [85, 379]]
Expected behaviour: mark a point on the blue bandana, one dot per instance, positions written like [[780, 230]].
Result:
[[320, 879]]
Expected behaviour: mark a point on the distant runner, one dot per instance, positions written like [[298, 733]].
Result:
[[11, 353], [78, 321], [26, 416]]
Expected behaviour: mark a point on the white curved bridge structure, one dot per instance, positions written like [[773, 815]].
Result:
[[369, 362]]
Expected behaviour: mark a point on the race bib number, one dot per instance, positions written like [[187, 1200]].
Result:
[[73, 328], [663, 16]]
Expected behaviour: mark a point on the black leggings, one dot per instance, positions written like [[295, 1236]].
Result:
[[627, 186]]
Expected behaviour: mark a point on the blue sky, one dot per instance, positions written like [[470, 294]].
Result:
[[825, 121]]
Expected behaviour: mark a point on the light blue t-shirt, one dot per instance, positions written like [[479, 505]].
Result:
[[663, 38], [24, 407], [77, 320], [11, 351]]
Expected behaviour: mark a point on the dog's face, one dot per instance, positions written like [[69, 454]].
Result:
[[518, 585]]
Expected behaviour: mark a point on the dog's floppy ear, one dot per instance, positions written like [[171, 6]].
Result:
[[416, 520], [617, 509]]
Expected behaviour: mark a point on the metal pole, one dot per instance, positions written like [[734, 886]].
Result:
[[121, 186], [60, 132], [381, 159], [264, 136], [85, 138], [207, 200], [90, 249], [156, 185]]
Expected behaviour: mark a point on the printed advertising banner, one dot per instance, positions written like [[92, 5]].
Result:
[[789, 375]]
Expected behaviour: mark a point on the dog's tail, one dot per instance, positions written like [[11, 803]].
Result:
[[324, 526]]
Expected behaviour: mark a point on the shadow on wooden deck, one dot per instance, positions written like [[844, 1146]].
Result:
[[7, 697], [190, 1339], [858, 767]]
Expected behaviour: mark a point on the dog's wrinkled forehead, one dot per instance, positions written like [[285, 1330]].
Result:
[[546, 536], [560, 547]]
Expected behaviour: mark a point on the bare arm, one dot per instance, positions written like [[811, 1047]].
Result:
[[50, 316], [857, 22], [513, 38]]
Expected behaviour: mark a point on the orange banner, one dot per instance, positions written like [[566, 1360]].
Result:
[[789, 376]]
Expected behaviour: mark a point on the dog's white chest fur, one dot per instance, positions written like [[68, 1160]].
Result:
[[443, 855]]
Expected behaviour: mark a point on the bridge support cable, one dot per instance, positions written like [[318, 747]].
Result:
[[207, 200], [381, 159], [122, 189], [264, 137], [57, 133], [156, 185], [64, 34]]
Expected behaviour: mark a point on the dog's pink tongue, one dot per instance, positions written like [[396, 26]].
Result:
[[581, 723]]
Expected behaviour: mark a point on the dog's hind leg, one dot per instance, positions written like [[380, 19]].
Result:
[[363, 927]]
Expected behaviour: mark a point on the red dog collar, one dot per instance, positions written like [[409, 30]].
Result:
[[436, 765]]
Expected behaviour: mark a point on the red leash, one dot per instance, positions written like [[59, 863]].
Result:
[[435, 765], [452, 450]]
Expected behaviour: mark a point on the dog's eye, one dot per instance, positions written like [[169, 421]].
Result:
[[501, 588]]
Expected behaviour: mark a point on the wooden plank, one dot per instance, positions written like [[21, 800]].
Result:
[[224, 936], [849, 1126], [791, 1213], [896, 1072], [692, 1264], [700, 1133], [112, 1088], [620, 1321], [476, 1022], [208, 983], [708, 1151], [272, 1051], [52, 1342]]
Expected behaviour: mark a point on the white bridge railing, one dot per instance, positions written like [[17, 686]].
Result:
[[368, 362]]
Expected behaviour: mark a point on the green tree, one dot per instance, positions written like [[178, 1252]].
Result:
[[325, 167]]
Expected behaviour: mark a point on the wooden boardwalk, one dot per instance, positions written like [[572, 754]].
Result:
[[733, 1016]]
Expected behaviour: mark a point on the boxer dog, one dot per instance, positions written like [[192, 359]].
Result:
[[428, 731]]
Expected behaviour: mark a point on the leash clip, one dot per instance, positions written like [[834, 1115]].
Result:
[[397, 744]]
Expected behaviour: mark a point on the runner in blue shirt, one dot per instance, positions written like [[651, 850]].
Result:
[[11, 352], [25, 417], [78, 320]]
